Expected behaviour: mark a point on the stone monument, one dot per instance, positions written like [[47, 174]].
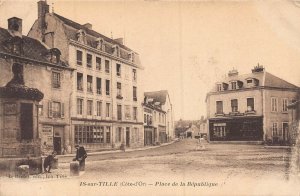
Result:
[[19, 140]]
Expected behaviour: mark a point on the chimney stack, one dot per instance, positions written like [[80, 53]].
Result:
[[15, 26], [119, 40], [233, 72], [88, 26], [43, 9]]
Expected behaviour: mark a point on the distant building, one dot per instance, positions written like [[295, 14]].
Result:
[[106, 93], [250, 107], [45, 70], [161, 99]]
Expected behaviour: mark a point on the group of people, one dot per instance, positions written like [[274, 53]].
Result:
[[81, 155]]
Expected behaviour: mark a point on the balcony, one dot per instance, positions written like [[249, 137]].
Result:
[[219, 114], [250, 112]]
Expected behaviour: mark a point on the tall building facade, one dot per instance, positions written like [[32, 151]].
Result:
[[250, 107], [106, 94], [161, 100], [44, 69]]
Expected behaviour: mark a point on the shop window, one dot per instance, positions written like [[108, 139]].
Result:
[[107, 135]]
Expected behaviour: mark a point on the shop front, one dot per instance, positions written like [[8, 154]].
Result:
[[149, 135], [236, 129]]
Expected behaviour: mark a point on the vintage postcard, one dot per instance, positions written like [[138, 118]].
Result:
[[149, 97]]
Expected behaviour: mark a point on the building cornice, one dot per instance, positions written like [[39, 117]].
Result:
[[252, 89], [106, 121], [100, 52]]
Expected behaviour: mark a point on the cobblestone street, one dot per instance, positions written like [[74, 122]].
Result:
[[228, 166]]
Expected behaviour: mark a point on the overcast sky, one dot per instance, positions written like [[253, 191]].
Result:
[[186, 47]]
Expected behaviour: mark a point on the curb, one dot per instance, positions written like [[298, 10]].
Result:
[[118, 151], [278, 147]]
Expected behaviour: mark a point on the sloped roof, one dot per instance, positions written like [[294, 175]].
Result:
[[88, 31], [158, 96], [32, 48], [274, 81]]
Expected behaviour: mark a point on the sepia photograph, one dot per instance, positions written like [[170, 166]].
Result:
[[149, 97]]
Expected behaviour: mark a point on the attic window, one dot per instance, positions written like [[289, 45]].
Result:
[[99, 43], [81, 36], [249, 81], [116, 50], [16, 45], [219, 87], [55, 55]]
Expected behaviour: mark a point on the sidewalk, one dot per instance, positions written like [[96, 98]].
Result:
[[118, 151]]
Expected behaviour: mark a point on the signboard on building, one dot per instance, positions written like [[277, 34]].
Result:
[[46, 135]]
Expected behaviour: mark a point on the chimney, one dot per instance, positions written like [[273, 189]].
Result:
[[258, 68], [119, 40], [88, 26], [43, 9], [233, 72], [15, 26]]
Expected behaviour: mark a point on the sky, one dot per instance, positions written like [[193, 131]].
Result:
[[186, 47]]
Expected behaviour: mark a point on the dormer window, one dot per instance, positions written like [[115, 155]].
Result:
[[233, 85], [131, 56], [219, 87], [100, 43], [81, 36], [15, 44], [55, 55], [249, 81], [116, 50]]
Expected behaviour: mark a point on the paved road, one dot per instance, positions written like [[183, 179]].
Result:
[[219, 169]]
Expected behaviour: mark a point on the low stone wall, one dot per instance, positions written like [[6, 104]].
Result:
[[9, 165]]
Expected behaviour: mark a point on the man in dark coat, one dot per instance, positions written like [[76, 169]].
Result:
[[48, 162], [81, 155]]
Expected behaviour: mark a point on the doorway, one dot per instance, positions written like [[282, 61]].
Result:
[[285, 131], [127, 136], [57, 144]]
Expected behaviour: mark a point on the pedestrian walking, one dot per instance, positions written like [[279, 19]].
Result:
[[49, 160], [81, 155]]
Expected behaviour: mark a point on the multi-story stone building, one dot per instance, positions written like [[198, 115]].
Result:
[[250, 107], [106, 93], [45, 70], [165, 126], [154, 123]]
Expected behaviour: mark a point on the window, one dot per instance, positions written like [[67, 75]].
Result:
[[249, 81], [99, 108], [108, 135], [79, 57], [134, 75], [79, 106], [107, 109], [234, 105], [119, 134], [274, 104], [118, 69], [89, 109], [127, 112], [89, 83], [154, 115], [219, 87], [119, 89], [219, 107], [275, 129], [119, 112], [99, 89], [250, 104], [233, 85], [134, 113], [89, 60], [89, 134], [145, 118], [98, 63], [79, 81], [134, 94], [284, 105], [107, 87], [107, 66], [55, 80], [56, 109]]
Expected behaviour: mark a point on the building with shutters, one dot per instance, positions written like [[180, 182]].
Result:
[[106, 94], [44, 69], [251, 107]]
